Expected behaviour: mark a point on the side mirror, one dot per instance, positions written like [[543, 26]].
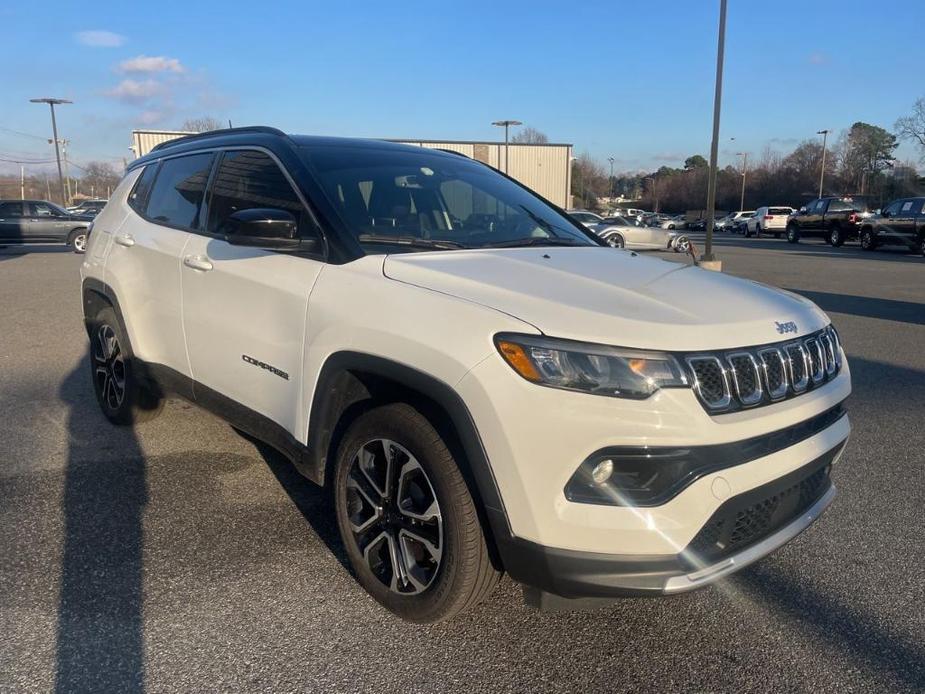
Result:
[[263, 227]]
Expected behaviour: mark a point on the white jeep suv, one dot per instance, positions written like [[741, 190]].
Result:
[[484, 386]]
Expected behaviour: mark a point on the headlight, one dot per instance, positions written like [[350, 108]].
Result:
[[590, 368]]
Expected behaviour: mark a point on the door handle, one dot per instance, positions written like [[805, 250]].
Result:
[[126, 240], [197, 262]]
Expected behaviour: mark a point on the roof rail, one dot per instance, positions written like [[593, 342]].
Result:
[[215, 133]]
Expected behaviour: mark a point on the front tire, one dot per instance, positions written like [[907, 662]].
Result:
[[406, 517], [615, 241], [120, 392], [682, 244], [868, 241], [836, 236], [793, 234]]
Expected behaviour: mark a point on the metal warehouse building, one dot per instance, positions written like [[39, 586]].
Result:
[[543, 168]]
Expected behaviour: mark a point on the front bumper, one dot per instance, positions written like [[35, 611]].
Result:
[[744, 529]]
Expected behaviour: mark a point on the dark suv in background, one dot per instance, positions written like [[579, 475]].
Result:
[[836, 219], [40, 221], [901, 222]]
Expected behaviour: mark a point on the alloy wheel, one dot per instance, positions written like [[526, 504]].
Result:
[[682, 245], [80, 243], [109, 370], [394, 516], [615, 241]]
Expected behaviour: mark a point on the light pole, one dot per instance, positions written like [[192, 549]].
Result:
[[714, 146], [54, 130], [825, 136], [506, 124], [744, 156], [611, 160]]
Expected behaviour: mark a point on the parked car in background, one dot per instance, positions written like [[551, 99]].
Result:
[[589, 219], [901, 222], [739, 221], [835, 218], [768, 220], [88, 207], [676, 222], [624, 233], [40, 221], [697, 225]]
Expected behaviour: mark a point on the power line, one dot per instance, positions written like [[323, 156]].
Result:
[[19, 132]]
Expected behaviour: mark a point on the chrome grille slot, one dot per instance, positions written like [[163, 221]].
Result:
[[775, 372], [816, 360], [746, 377], [796, 362], [710, 382], [828, 349]]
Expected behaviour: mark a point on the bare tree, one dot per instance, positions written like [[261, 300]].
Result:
[[912, 127], [530, 136], [201, 125], [99, 179]]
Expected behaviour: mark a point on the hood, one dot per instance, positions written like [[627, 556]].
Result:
[[612, 297]]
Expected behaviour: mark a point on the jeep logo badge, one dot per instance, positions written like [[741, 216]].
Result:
[[788, 327]]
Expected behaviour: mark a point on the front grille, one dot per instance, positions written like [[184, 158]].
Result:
[[737, 525], [754, 376]]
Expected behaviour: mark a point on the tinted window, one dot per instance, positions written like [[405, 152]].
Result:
[[779, 210], [10, 209], [848, 205], [178, 190], [45, 209], [393, 192], [139, 194], [892, 208], [249, 179]]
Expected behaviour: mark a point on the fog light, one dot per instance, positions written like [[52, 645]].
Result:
[[602, 471]]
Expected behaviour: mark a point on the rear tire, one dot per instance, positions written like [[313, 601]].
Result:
[[793, 233], [615, 241], [121, 394], [77, 240], [836, 236], [407, 520]]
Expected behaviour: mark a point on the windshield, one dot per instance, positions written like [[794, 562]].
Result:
[[421, 200]]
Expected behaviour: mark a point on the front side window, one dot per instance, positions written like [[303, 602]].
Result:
[[178, 191], [139, 195], [250, 179], [421, 199], [45, 209], [891, 209]]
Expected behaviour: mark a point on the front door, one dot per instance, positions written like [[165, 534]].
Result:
[[245, 309], [46, 223]]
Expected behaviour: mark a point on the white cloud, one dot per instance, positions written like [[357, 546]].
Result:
[[134, 91], [99, 38], [144, 63]]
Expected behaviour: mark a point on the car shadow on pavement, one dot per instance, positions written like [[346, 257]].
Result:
[[314, 502], [866, 306], [100, 644], [864, 638]]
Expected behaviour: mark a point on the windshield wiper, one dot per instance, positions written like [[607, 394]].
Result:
[[534, 241], [412, 241]]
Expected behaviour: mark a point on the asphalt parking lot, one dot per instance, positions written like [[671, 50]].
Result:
[[179, 556]]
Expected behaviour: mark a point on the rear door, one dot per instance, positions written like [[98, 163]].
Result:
[[143, 266], [12, 221], [245, 308], [46, 223]]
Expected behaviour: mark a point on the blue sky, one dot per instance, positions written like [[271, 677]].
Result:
[[633, 80]]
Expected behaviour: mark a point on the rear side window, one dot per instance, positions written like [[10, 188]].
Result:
[[178, 190], [10, 209], [247, 180], [139, 195]]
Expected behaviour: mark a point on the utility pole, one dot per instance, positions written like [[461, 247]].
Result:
[[825, 136], [611, 160], [47, 188], [506, 124], [714, 147], [22, 182], [54, 131], [744, 156]]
